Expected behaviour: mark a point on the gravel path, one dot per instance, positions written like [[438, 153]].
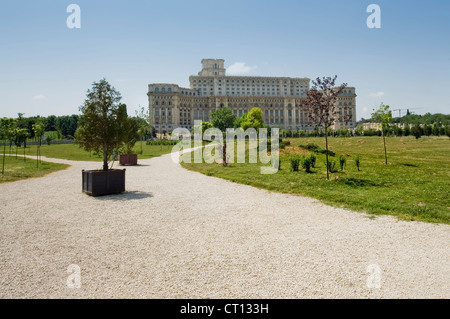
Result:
[[180, 234]]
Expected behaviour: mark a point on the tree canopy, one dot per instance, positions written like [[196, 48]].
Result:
[[223, 118], [102, 121]]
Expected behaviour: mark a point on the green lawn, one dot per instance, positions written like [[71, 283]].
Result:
[[415, 185], [75, 153], [16, 169]]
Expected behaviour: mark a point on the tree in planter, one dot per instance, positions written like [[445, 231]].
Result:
[[383, 116], [222, 119], [100, 127], [322, 109]]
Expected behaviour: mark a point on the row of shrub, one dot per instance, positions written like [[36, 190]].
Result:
[[162, 142], [309, 162]]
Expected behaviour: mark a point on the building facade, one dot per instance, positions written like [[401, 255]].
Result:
[[281, 99]]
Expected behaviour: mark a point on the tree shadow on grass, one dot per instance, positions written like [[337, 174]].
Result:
[[133, 195], [409, 165], [358, 182]]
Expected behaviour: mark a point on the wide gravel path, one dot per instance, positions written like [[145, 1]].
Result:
[[180, 234]]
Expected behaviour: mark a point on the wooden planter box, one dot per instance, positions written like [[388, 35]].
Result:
[[128, 159], [99, 183]]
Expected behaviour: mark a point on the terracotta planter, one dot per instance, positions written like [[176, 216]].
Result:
[[99, 183], [128, 159]]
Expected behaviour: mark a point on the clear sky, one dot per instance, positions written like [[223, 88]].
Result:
[[46, 68]]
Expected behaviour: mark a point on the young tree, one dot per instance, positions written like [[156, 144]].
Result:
[[383, 116], [321, 106], [253, 119], [417, 131], [100, 127], [3, 136], [222, 119], [22, 134], [144, 124], [406, 130], [129, 130], [203, 128], [39, 130]]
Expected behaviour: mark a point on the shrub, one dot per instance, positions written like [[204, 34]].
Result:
[[312, 147], [417, 131], [49, 139], [332, 166], [357, 161], [342, 161], [163, 142], [295, 162], [306, 164], [313, 159]]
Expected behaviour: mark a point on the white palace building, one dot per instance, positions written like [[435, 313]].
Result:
[[281, 99]]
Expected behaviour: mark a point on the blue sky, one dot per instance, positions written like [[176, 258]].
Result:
[[46, 68]]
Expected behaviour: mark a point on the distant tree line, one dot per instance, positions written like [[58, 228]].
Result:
[[62, 127]]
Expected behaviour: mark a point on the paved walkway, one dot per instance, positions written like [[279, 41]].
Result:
[[180, 234]]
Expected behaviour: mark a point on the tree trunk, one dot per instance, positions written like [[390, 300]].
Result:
[[326, 154], [3, 165], [224, 153], [385, 153], [105, 160]]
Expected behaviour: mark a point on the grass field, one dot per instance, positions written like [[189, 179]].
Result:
[[75, 153], [415, 185], [16, 169]]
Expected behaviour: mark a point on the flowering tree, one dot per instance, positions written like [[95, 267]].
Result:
[[321, 106]]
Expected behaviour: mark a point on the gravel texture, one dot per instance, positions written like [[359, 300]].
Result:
[[181, 234]]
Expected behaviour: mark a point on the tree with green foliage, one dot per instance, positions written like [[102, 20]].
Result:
[[222, 119], [417, 131], [407, 130], [238, 121], [321, 106], [6, 128], [253, 119], [145, 124], [22, 134], [203, 127], [383, 116], [101, 124], [39, 130], [129, 130]]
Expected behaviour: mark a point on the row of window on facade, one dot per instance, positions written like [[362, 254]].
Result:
[[169, 90], [253, 81]]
